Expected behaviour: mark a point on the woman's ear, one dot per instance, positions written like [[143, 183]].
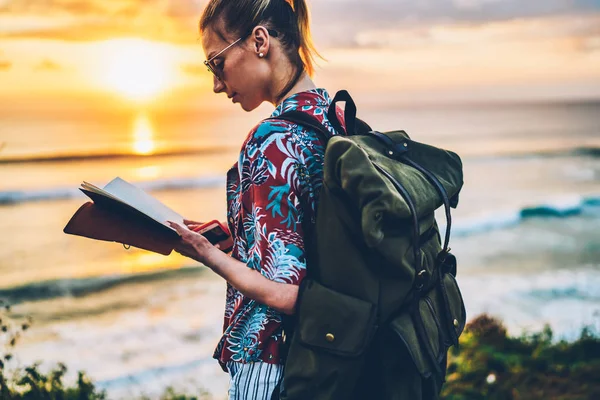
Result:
[[260, 41]]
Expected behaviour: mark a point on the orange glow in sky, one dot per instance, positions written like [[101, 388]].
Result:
[[145, 51]]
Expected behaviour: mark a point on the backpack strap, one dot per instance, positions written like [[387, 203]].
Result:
[[349, 113], [306, 120], [421, 275], [443, 194], [353, 125]]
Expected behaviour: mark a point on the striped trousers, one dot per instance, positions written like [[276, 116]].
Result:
[[253, 381]]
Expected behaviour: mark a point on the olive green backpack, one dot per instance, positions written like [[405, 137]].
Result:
[[380, 305]]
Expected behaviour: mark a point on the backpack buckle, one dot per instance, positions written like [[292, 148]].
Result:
[[392, 149], [421, 279], [442, 255]]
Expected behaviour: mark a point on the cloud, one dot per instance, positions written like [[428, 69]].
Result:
[[55, 7], [47, 65], [181, 9], [472, 4], [462, 34], [85, 30], [77, 20], [385, 11], [336, 23]]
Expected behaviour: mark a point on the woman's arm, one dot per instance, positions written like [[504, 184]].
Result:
[[251, 283]]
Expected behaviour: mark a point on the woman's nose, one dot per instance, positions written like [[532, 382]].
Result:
[[218, 85]]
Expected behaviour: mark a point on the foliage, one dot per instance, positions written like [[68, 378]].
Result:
[[490, 365]]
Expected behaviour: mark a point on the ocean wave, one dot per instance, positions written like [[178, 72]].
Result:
[[15, 197], [576, 151], [554, 209], [51, 289], [567, 299], [579, 151], [582, 284], [68, 157], [584, 151]]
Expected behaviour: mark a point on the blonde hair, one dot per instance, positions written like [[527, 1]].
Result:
[[289, 18]]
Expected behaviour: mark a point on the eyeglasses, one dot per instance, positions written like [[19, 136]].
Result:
[[217, 70]]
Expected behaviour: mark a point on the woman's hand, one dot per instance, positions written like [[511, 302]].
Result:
[[192, 244]]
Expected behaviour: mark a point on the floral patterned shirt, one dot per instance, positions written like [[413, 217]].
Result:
[[271, 191]]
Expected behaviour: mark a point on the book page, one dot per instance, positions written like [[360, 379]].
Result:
[[140, 200], [96, 189]]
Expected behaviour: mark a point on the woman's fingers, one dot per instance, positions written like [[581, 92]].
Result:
[[188, 235], [183, 232], [191, 222], [192, 225], [192, 244]]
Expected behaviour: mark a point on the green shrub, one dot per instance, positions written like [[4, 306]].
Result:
[[490, 365]]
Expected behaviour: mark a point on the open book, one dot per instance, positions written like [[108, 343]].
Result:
[[121, 212]]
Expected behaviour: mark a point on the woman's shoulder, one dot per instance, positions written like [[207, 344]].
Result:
[[271, 137], [271, 129], [263, 134], [271, 126]]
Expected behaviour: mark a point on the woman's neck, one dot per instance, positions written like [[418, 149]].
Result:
[[304, 83]]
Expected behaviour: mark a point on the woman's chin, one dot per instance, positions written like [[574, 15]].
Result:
[[248, 107]]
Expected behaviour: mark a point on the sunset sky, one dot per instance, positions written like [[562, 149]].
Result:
[[141, 49]]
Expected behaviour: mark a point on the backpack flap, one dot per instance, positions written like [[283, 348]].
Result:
[[406, 166], [334, 322], [350, 167]]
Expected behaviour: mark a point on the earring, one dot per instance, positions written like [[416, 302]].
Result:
[[261, 55]]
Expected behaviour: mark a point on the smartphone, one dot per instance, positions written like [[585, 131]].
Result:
[[216, 232]]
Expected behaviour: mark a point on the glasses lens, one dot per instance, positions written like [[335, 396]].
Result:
[[212, 69]]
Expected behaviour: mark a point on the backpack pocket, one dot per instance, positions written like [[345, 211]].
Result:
[[419, 343], [434, 324], [455, 316], [334, 322]]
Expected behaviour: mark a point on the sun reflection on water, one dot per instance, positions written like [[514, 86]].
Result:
[[143, 132]]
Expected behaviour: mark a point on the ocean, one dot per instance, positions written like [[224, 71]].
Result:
[[526, 231]]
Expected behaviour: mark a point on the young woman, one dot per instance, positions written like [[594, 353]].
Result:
[[261, 50]]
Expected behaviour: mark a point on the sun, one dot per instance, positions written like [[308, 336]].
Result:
[[137, 69]]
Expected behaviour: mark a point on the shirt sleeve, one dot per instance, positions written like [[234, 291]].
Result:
[[274, 179]]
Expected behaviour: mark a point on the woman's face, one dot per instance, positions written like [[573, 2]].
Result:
[[243, 74]]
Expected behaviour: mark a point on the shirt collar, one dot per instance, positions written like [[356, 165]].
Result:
[[303, 101]]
